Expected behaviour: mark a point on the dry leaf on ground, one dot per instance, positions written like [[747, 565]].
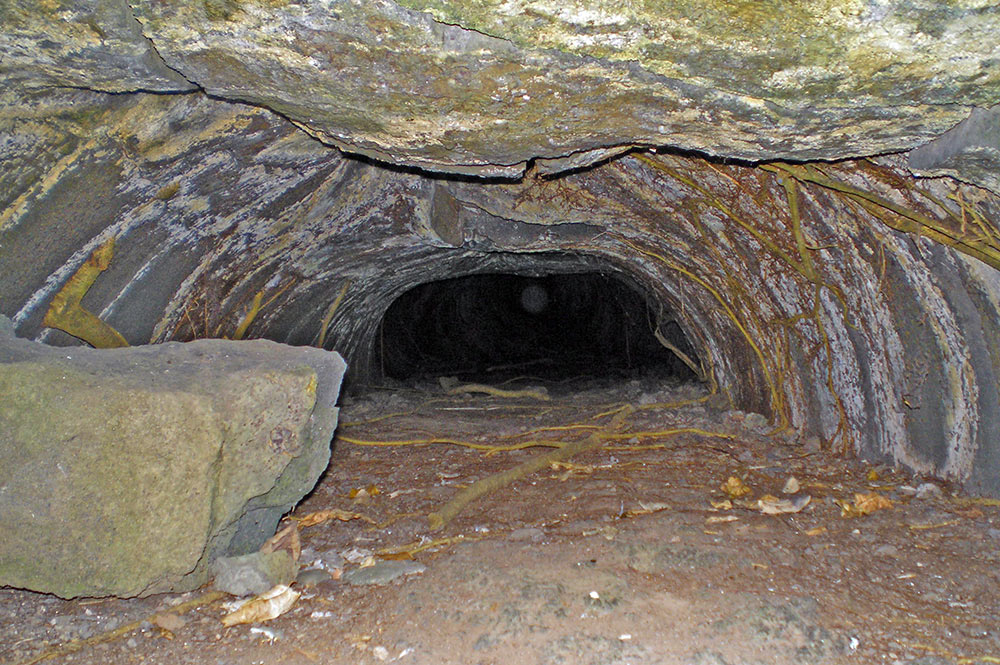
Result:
[[268, 605], [168, 621], [735, 488], [791, 485], [869, 503], [320, 516], [361, 492], [720, 519], [286, 539], [772, 505], [864, 504]]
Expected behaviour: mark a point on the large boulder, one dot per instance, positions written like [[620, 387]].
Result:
[[128, 471]]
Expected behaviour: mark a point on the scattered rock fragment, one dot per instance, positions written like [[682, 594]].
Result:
[[383, 572], [255, 573]]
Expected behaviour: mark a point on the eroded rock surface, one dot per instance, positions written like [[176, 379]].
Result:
[[485, 87], [127, 472]]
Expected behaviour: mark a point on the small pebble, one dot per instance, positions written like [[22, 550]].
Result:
[[532, 534], [312, 577], [383, 572], [928, 491]]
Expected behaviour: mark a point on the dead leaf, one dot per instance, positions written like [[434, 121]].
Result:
[[816, 531], [720, 519], [286, 539], [771, 505], [872, 475], [362, 492], [735, 488], [725, 504], [320, 516], [864, 504], [268, 605], [869, 503], [168, 621], [791, 485]]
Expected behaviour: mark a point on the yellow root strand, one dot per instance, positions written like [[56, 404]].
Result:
[[66, 314], [611, 412], [659, 434], [535, 443], [486, 485], [387, 416], [986, 249], [255, 307], [331, 310], [553, 428], [482, 487], [498, 392], [773, 383], [673, 405], [420, 546]]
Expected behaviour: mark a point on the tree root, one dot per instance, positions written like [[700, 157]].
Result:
[[539, 394], [67, 314], [438, 519]]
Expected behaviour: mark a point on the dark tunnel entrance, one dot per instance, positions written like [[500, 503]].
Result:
[[558, 327]]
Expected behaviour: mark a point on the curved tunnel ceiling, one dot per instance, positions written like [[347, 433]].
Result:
[[843, 298]]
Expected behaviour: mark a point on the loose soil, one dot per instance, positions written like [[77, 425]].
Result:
[[626, 553]]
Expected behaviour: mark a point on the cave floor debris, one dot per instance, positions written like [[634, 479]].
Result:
[[652, 548]]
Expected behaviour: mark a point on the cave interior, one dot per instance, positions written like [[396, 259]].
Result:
[[537, 221]]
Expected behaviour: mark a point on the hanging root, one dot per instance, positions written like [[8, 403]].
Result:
[[66, 314], [684, 358], [330, 311]]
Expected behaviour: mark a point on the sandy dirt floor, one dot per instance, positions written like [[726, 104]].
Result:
[[654, 546]]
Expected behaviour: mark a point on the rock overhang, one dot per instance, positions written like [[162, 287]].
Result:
[[485, 88]]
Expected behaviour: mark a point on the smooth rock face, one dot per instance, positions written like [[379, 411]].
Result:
[[127, 472]]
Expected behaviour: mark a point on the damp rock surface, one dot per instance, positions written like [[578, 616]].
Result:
[[126, 472]]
